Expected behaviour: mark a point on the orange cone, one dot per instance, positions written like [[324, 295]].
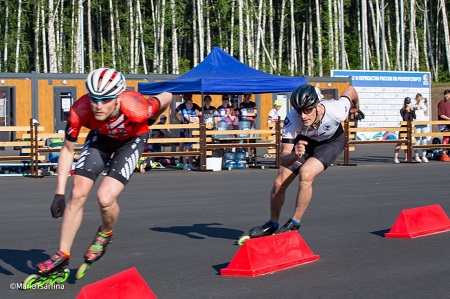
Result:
[[418, 222], [269, 254]]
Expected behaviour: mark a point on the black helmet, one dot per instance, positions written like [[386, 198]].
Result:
[[305, 97], [407, 100]]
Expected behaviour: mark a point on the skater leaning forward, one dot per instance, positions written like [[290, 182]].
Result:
[[118, 120], [312, 139]]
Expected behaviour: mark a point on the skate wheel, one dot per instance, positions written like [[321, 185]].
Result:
[[82, 270], [53, 278], [63, 275], [242, 240], [30, 281]]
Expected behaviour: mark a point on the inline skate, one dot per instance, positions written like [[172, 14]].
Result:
[[94, 252], [259, 231], [53, 270]]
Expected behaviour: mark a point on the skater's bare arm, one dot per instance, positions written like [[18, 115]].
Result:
[[351, 93], [287, 156], [64, 165]]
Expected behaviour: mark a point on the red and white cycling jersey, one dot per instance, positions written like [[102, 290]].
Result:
[[134, 112]]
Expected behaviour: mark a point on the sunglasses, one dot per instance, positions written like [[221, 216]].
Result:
[[305, 111], [102, 99]]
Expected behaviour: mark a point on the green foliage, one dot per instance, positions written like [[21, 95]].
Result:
[[220, 26]]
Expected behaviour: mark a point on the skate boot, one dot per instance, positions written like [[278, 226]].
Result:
[[94, 252], [290, 225], [259, 231], [50, 271]]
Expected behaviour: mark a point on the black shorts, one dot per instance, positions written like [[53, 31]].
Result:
[[122, 154], [325, 151]]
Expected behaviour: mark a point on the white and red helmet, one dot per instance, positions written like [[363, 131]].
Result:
[[97, 83]]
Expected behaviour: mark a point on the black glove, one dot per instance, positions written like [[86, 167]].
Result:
[[58, 206]]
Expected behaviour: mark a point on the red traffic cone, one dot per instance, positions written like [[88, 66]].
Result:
[[269, 254], [124, 285], [418, 222]]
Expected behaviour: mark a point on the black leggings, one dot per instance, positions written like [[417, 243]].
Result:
[[122, 154]]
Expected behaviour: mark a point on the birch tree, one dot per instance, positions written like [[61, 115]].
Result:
[[51, 38], [89, 36], [241, 29], [36, 26], [319, 39], [132, 37], [293, 64], [446, 33], [201, 29], [281, 36], [175, 62], [141, 37], [19, 33], [113, 34], [6, 32]]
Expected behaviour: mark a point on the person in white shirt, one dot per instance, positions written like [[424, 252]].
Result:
[[421, 109], [312, 138]]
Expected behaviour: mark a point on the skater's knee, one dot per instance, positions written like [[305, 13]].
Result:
[[106, 201], [78, 196]]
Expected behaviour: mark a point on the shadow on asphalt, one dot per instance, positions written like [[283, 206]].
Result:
[[201, 230], [380, 232]]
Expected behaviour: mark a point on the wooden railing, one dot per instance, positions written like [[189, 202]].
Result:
[[203, 141], [405, 137], [30, 144]]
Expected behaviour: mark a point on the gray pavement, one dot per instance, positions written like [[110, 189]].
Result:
[[179, 228]]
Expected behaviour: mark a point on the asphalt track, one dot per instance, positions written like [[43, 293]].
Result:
[[179, 228]]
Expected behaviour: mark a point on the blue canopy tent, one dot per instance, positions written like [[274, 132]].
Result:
[[221, 73]]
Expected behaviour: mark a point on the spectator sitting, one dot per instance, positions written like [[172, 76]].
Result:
[[209, 112], [225, 111], [186, 97], [236, 110], [249, 109], [178, 115], [189, 117]]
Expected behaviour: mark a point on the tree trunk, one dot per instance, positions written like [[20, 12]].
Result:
[[319, 39], [19, 35], [194, 33], [201, 33], [249, 46], [446, 34], [293, 64], [44, 44], [241, 30], [89, 36], [36, 25], [281, 37], [175, 61], [132, 37], [259, 35], [398, 64], [51, 38], [113, 34]]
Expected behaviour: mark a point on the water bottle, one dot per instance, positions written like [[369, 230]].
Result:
[[229, 158], [229, 155], [244, 124], [242, 164], [240, 155]]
